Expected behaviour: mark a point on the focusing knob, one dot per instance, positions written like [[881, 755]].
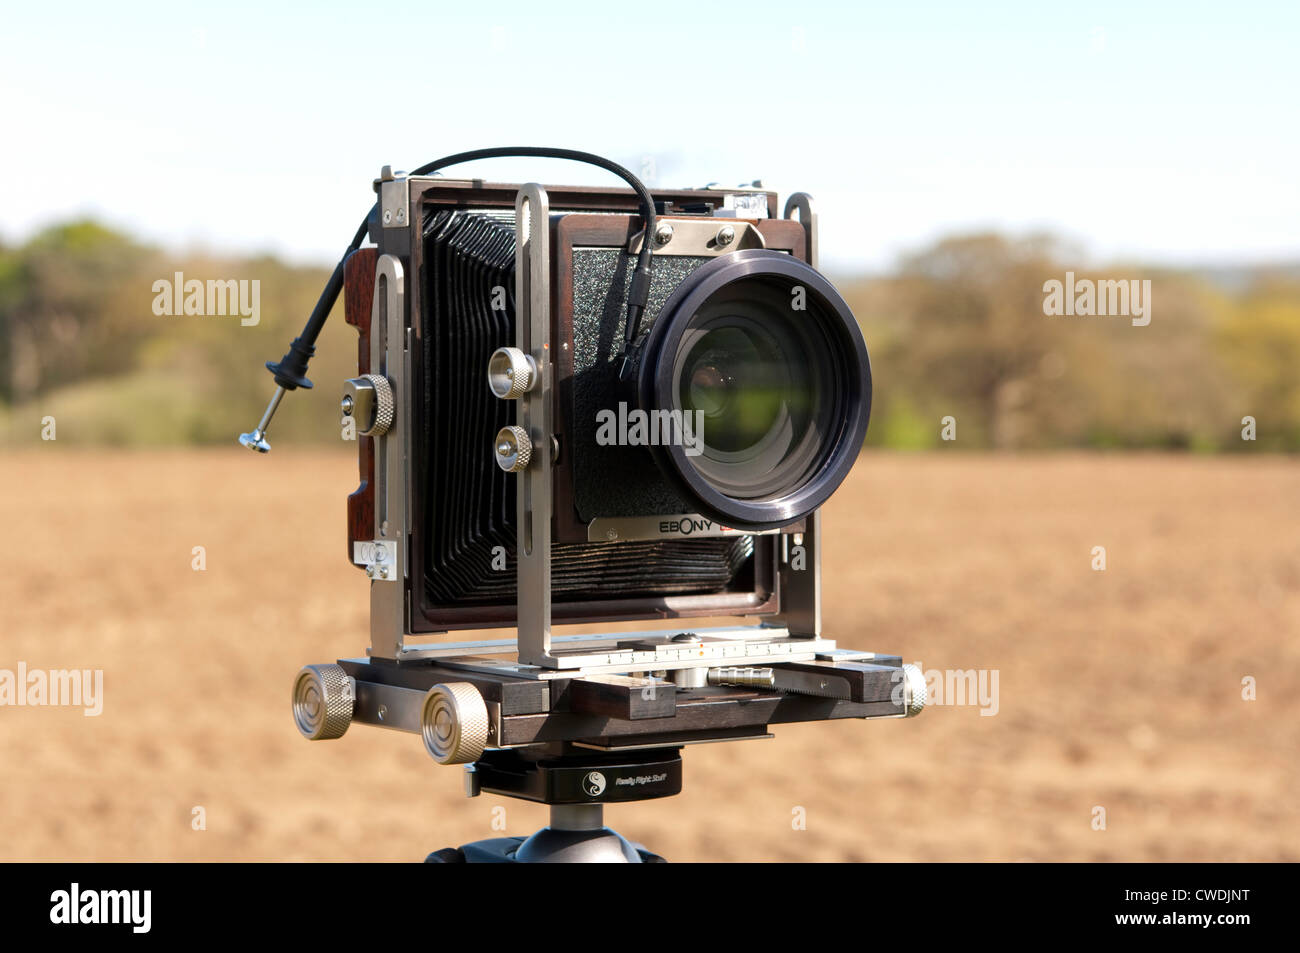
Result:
[[511, 373], [369, 401], [322, 702], [454, 723], [914, 691], [512, 449]]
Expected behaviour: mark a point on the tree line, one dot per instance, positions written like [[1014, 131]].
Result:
[[964, 330]]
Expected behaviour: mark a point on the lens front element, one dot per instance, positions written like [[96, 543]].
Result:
[[766, 366]]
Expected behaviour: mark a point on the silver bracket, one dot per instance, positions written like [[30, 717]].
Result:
[[799, 572], [378, 557], [394, 199], [799, 578], [533, 499], [390, 356], [700, 237]]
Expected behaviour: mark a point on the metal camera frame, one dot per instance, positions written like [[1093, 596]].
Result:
[[793, 635], [632, 699]]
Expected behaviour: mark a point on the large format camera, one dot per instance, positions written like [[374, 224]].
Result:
[[582, 405]]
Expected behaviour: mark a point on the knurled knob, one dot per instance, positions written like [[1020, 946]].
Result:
[[915, 694], [322, 701], [454, 723], [512, 449], [511, 373]]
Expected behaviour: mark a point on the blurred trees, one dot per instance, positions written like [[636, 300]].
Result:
[[958, 329], [961, 321], [79, 340], [66, 310], [1258, 339]]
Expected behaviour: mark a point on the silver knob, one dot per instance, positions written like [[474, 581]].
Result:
[[454, 723], [512, 449], [369, 401], [322, 702], [511, 373], [256, 440], [915, 694]]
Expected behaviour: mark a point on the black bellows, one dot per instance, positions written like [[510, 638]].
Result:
[[469, 312]]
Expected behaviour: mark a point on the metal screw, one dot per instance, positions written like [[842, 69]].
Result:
[[401, 216], [346, 404], [383, 712], [726, 235], [663, 233], [388, 216], [503, 449]]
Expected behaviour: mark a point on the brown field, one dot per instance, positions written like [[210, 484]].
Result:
[[1120, 689]]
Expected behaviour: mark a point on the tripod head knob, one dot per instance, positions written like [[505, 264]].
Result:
[[915, 694], [454, 723], [322, 702]]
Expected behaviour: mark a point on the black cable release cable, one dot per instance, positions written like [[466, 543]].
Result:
[[290, 372]]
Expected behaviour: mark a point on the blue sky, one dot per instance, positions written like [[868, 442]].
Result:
[[1162, 132]]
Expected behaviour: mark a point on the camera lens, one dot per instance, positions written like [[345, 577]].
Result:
[[744, 387], [706, 386], [764, 364]]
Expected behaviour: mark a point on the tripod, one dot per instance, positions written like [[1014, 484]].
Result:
[[577, 785]]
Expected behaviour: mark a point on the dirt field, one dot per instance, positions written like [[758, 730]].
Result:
[[1119, 689]]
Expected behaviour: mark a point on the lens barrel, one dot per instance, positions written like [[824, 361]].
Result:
[[759, 368]]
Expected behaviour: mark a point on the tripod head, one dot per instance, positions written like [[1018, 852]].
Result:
[[577, 785]]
